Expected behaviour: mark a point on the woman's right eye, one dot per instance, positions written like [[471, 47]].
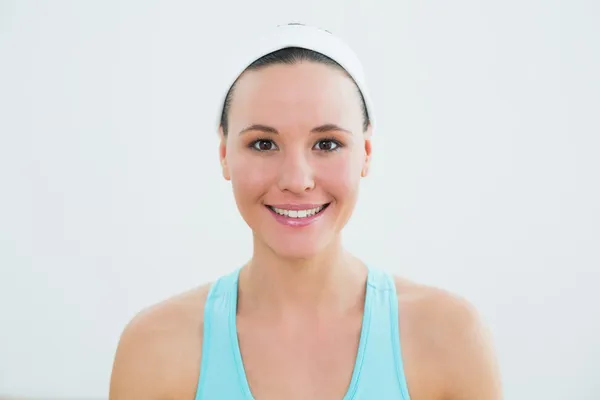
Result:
[[263, 145]]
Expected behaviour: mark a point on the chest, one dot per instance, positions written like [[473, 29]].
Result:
[[312, 361]]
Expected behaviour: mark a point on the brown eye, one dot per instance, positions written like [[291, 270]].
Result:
[[263, 145], [326, 145]]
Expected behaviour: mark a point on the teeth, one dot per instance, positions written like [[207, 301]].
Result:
[[298, 213]]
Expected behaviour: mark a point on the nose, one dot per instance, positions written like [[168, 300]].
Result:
[[296, 175]]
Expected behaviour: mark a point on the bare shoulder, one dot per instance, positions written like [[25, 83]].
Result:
[[159, 351], [445, 341]]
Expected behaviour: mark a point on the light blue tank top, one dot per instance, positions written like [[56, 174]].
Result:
[[378, 370]]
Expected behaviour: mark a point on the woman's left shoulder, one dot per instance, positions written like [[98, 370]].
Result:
[[443, 309], [445, 334]]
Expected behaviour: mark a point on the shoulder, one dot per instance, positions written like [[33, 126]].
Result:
[[446, 342], [159, 350]]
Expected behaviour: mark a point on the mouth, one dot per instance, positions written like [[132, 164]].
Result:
[[298, 213]]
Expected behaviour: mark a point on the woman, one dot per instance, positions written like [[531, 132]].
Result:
[[304, 318]]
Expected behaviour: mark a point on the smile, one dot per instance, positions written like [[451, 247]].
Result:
[[297, 215], [309, 212]]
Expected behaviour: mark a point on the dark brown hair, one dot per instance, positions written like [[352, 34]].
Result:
[[289, 56]]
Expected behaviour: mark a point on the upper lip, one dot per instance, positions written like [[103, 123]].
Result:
[[296, 206]]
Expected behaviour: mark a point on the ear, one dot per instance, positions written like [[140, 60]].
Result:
[[223, 154], [367, 152]]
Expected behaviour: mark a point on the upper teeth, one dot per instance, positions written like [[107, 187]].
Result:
[[298, 213]]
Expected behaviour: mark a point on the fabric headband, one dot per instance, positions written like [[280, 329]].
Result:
[[296, 35]]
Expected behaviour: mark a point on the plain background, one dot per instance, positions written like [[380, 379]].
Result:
[[485, 179]]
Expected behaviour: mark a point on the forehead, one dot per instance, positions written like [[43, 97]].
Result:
[[302, 95]]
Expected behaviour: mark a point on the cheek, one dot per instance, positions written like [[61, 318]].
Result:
[[249, 178], [341, 176]]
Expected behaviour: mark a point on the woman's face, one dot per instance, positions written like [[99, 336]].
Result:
[[295, 153]]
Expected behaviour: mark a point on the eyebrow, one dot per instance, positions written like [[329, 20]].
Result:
[[319, 129]]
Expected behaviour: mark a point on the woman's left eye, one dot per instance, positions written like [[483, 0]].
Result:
[[326, 145]]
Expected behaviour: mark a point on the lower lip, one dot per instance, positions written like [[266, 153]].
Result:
[[297, 222]]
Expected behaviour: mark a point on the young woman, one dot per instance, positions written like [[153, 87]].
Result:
[[304, 318]]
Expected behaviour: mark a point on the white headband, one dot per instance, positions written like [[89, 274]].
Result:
[[303, 36]]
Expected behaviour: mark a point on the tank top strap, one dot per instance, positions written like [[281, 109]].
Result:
[[383, 367], [219, 367]]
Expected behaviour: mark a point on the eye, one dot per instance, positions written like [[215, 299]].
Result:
[[327, 145], [263, 145]]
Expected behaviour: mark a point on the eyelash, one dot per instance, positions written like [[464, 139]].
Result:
[[338, 145]]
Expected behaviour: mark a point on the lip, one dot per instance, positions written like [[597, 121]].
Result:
[[297, 222], [297, 206]]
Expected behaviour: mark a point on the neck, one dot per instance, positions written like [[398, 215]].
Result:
[[332, 281]]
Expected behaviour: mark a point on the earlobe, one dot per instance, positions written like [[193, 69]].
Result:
[[225, 169], [365, 170], [367, 162], [226, 172], [223, 155]]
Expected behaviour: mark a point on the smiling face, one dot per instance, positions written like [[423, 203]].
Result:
[[295, 151]]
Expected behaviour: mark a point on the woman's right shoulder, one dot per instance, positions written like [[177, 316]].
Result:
[[160, 349]]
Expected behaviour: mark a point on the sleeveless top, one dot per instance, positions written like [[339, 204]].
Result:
[[378, 370]]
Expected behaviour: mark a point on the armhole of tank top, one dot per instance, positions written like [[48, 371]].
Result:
[[207, 319], [394, 318]]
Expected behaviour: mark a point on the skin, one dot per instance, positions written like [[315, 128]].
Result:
[[301, 295]]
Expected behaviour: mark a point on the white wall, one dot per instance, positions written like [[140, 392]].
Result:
[[485, 179]]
